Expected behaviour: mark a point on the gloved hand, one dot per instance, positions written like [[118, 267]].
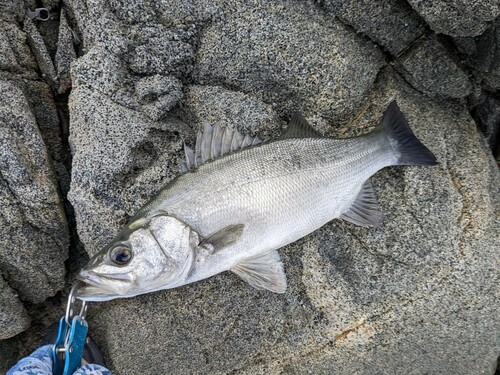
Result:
[[40, 363]]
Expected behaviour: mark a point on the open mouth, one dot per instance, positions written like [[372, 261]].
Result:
[[101, 287]]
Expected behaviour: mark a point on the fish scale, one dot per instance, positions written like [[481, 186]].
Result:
[[239, 201]]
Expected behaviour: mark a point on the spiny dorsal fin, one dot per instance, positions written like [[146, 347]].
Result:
[[299, 128], [224, 237], [263, 272], [214, 142], [365, 210]]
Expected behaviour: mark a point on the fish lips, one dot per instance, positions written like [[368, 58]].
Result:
[[99, 287]]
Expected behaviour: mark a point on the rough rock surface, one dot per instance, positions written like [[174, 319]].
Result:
[[419, 295], [356, 296], [13, 315], [485, 57], [393, 24], [33, 234], [263, 48], [434, 72], [458, 17], [33, 230]]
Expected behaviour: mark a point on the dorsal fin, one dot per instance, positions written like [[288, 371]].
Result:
[[365, 210], [214, 142], [299, 128]]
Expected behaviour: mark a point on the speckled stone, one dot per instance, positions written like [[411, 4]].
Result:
[[33, 229], [16, 56], [368, 300], [456, 17], [432, 70], [65, 54], [13, 316], [41, 53], [418, 295], [158, 94], [291, 55], [393, 24]]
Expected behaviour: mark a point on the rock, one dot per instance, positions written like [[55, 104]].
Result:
[[392, 24], [291, 55], [219, 106], [486, 112], [16, 56], [65, 54], [430, 69], [158, 95], [103, 70], [39, 49], [415, 296], [485, 62], [12, 11], [458, 18], [159, 50], [33, 230], [412, 296], [13, 317]]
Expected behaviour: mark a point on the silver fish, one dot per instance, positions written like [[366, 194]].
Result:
[[240, 200]]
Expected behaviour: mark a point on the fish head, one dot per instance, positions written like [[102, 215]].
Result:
[[148, 254]]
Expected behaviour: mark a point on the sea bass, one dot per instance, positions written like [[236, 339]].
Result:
[[240, 200]]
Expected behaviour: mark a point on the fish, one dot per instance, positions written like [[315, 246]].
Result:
[[239, 200]]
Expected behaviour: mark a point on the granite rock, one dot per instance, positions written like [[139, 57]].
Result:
[[65, 54], [418, 295], [486, 112], [457, 17], [13, 316], [485, 61], [33, 231], [392, 24], [39, 49], [16, 57], [158, 94], [368, 300], [430, 68], [291, 55]]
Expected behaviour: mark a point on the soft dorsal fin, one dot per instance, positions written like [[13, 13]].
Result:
[[365, 210], [263, 272], [214, 142], [299, 128]]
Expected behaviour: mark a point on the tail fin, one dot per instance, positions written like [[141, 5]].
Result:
[[410, 150]]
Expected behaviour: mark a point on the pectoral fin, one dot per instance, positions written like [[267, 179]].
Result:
[[263, 272], [365, 210], [224, 237]]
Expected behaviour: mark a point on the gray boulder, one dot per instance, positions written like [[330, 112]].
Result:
[[414, 295], [33, 231], [393, 24], [13, 316], [418, 295], [358, 299], [458, 18], [432, 70], [291, 55]]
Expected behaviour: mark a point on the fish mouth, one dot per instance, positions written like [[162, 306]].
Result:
[[99, 287]]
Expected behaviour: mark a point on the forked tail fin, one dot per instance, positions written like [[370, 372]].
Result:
[[409, 149]]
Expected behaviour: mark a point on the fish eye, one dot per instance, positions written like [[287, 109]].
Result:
[[121, 255]]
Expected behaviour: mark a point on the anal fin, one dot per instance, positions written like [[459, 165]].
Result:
[[365, 210], [263, 272]]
